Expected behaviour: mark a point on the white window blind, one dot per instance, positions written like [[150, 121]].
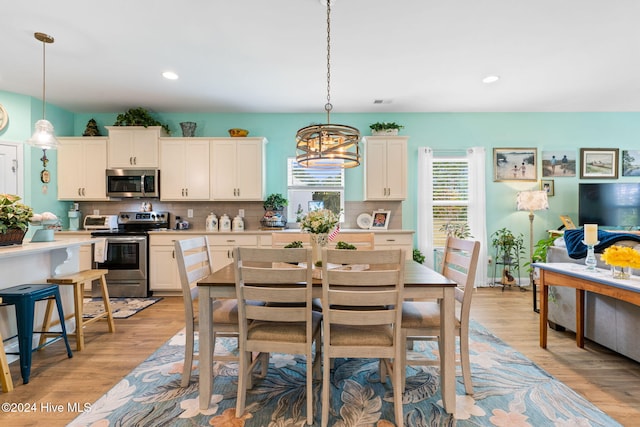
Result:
[[450, 184], [310, 188]]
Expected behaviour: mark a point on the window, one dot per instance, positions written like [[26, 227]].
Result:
[[450, 196], [310, 189]]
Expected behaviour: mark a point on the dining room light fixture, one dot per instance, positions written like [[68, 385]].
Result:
[[44, 137], [328, 145]]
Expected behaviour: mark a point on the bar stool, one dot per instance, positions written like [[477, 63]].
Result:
[[78, 280], [24, 298], [5, 375]]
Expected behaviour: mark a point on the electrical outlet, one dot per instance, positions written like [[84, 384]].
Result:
[[241, 213], [489, 260], [189, 213], [96, 211]]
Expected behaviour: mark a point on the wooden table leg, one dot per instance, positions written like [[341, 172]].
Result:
[[447, 362], [544, 309], [580, 318]]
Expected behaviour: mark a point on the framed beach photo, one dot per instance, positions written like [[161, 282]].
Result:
[[630, 163], [515, 164], [380, 219], [559, 163], [547, 185], [599, 163]]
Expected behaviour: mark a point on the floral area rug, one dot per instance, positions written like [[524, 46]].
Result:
[[509, 390], [120, 307]]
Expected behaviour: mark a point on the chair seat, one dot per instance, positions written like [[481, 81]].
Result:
[[273, 331], [422, 314], [370, 335]]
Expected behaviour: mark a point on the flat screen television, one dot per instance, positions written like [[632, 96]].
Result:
[[615, 205]]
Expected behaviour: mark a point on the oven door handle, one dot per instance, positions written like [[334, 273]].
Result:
[[124, 239]]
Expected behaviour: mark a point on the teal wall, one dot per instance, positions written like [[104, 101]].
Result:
[[546, 131]]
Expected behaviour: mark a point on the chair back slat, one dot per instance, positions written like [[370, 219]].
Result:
[[362, 241]]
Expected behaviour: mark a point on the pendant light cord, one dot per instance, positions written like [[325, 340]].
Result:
[[44, 74], [328, 107]]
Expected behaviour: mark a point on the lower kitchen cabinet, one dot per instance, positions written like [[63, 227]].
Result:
[[163, 268], [395, 241], [222, 245]]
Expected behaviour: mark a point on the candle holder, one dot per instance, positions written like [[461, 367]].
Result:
[[590, 261]]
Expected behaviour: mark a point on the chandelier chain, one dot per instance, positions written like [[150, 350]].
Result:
[[328, 105]]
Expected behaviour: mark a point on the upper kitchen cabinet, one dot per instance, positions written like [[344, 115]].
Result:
[[81, 168], [184, 168], [133, 147], [238, 168], [385, 167]]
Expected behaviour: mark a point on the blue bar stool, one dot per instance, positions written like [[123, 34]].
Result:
[[24, 298]]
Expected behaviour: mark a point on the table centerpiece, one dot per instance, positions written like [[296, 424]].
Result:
[[621, 259], [319, 223]]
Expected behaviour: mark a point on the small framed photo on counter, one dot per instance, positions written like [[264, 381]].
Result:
[[380, 219]]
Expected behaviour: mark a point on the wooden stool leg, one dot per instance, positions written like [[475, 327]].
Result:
[[107, 304], [47, 321], [78, 304], [5, 374]]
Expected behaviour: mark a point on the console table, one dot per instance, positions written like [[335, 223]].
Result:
[[576, 276]]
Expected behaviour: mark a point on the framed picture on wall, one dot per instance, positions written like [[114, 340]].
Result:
[[599, 163], [547, 185], [559, 163], [380, 219], [515, 164], [630, 163]]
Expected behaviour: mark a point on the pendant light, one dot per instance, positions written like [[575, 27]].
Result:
[[43, 137], [328, 145]]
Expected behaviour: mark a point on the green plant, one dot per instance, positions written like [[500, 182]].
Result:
[[345, 245], [540, 251], [378, 126], [13, 214], [138, 117], [275, 201], [294, 245], [418, 256], [459, 230], [508, 245]]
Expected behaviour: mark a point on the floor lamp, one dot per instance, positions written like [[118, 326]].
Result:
[[532, 201]]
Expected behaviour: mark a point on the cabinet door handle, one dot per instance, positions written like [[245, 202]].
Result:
[[83, 193], [79, 191], [186, 192], [173, 254]]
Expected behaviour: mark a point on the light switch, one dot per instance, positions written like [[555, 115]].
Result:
[[189, 213]]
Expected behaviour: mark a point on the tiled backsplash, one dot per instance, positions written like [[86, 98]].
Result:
[[253, 211]]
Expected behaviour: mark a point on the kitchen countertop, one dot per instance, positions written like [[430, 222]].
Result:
[[261, 232]]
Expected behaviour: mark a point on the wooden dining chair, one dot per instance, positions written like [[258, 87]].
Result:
[[284, 322], [194, 263], [362, 241], [362, 314], [421, 319], [280, 240]]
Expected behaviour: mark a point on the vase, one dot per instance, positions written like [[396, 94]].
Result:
[[188, 129], [620, 272], [318, 241]]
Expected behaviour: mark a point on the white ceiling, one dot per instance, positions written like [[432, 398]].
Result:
[[270, 56]]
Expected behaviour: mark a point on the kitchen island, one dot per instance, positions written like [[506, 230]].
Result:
[[35, 263]]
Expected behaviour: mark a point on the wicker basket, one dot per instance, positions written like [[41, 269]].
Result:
[[13, 236]]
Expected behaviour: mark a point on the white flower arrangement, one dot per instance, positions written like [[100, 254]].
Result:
[[319, 221]]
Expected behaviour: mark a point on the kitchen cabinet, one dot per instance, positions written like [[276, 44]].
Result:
[[81, 165], [133, 147], [163, 267], [391, 240], [184, 164], [385, 167], [221, 246], [238, 168]]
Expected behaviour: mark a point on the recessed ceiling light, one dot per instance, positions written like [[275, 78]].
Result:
[[170, 75], [491, 79]]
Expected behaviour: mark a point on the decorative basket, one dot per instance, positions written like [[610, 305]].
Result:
[[13, 236]]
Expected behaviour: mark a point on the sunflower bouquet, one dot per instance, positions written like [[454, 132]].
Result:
[[621, 256]]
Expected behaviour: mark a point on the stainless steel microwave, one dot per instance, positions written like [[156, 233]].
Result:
[[133, 183]]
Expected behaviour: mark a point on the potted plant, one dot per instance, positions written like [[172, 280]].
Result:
[[139, 117], [385, 128], [509, 247], [274, 217], [14, 219]]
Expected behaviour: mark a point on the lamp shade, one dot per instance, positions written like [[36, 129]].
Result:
[[532, 201], [43, 137]]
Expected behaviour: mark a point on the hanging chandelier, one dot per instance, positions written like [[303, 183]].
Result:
[[328, 145], [43, 137]]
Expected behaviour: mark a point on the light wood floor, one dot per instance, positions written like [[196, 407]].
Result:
[[610, 381]]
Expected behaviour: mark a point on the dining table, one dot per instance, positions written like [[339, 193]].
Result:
[[420, 282]]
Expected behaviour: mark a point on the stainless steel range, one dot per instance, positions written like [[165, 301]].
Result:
[[127, 253]]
